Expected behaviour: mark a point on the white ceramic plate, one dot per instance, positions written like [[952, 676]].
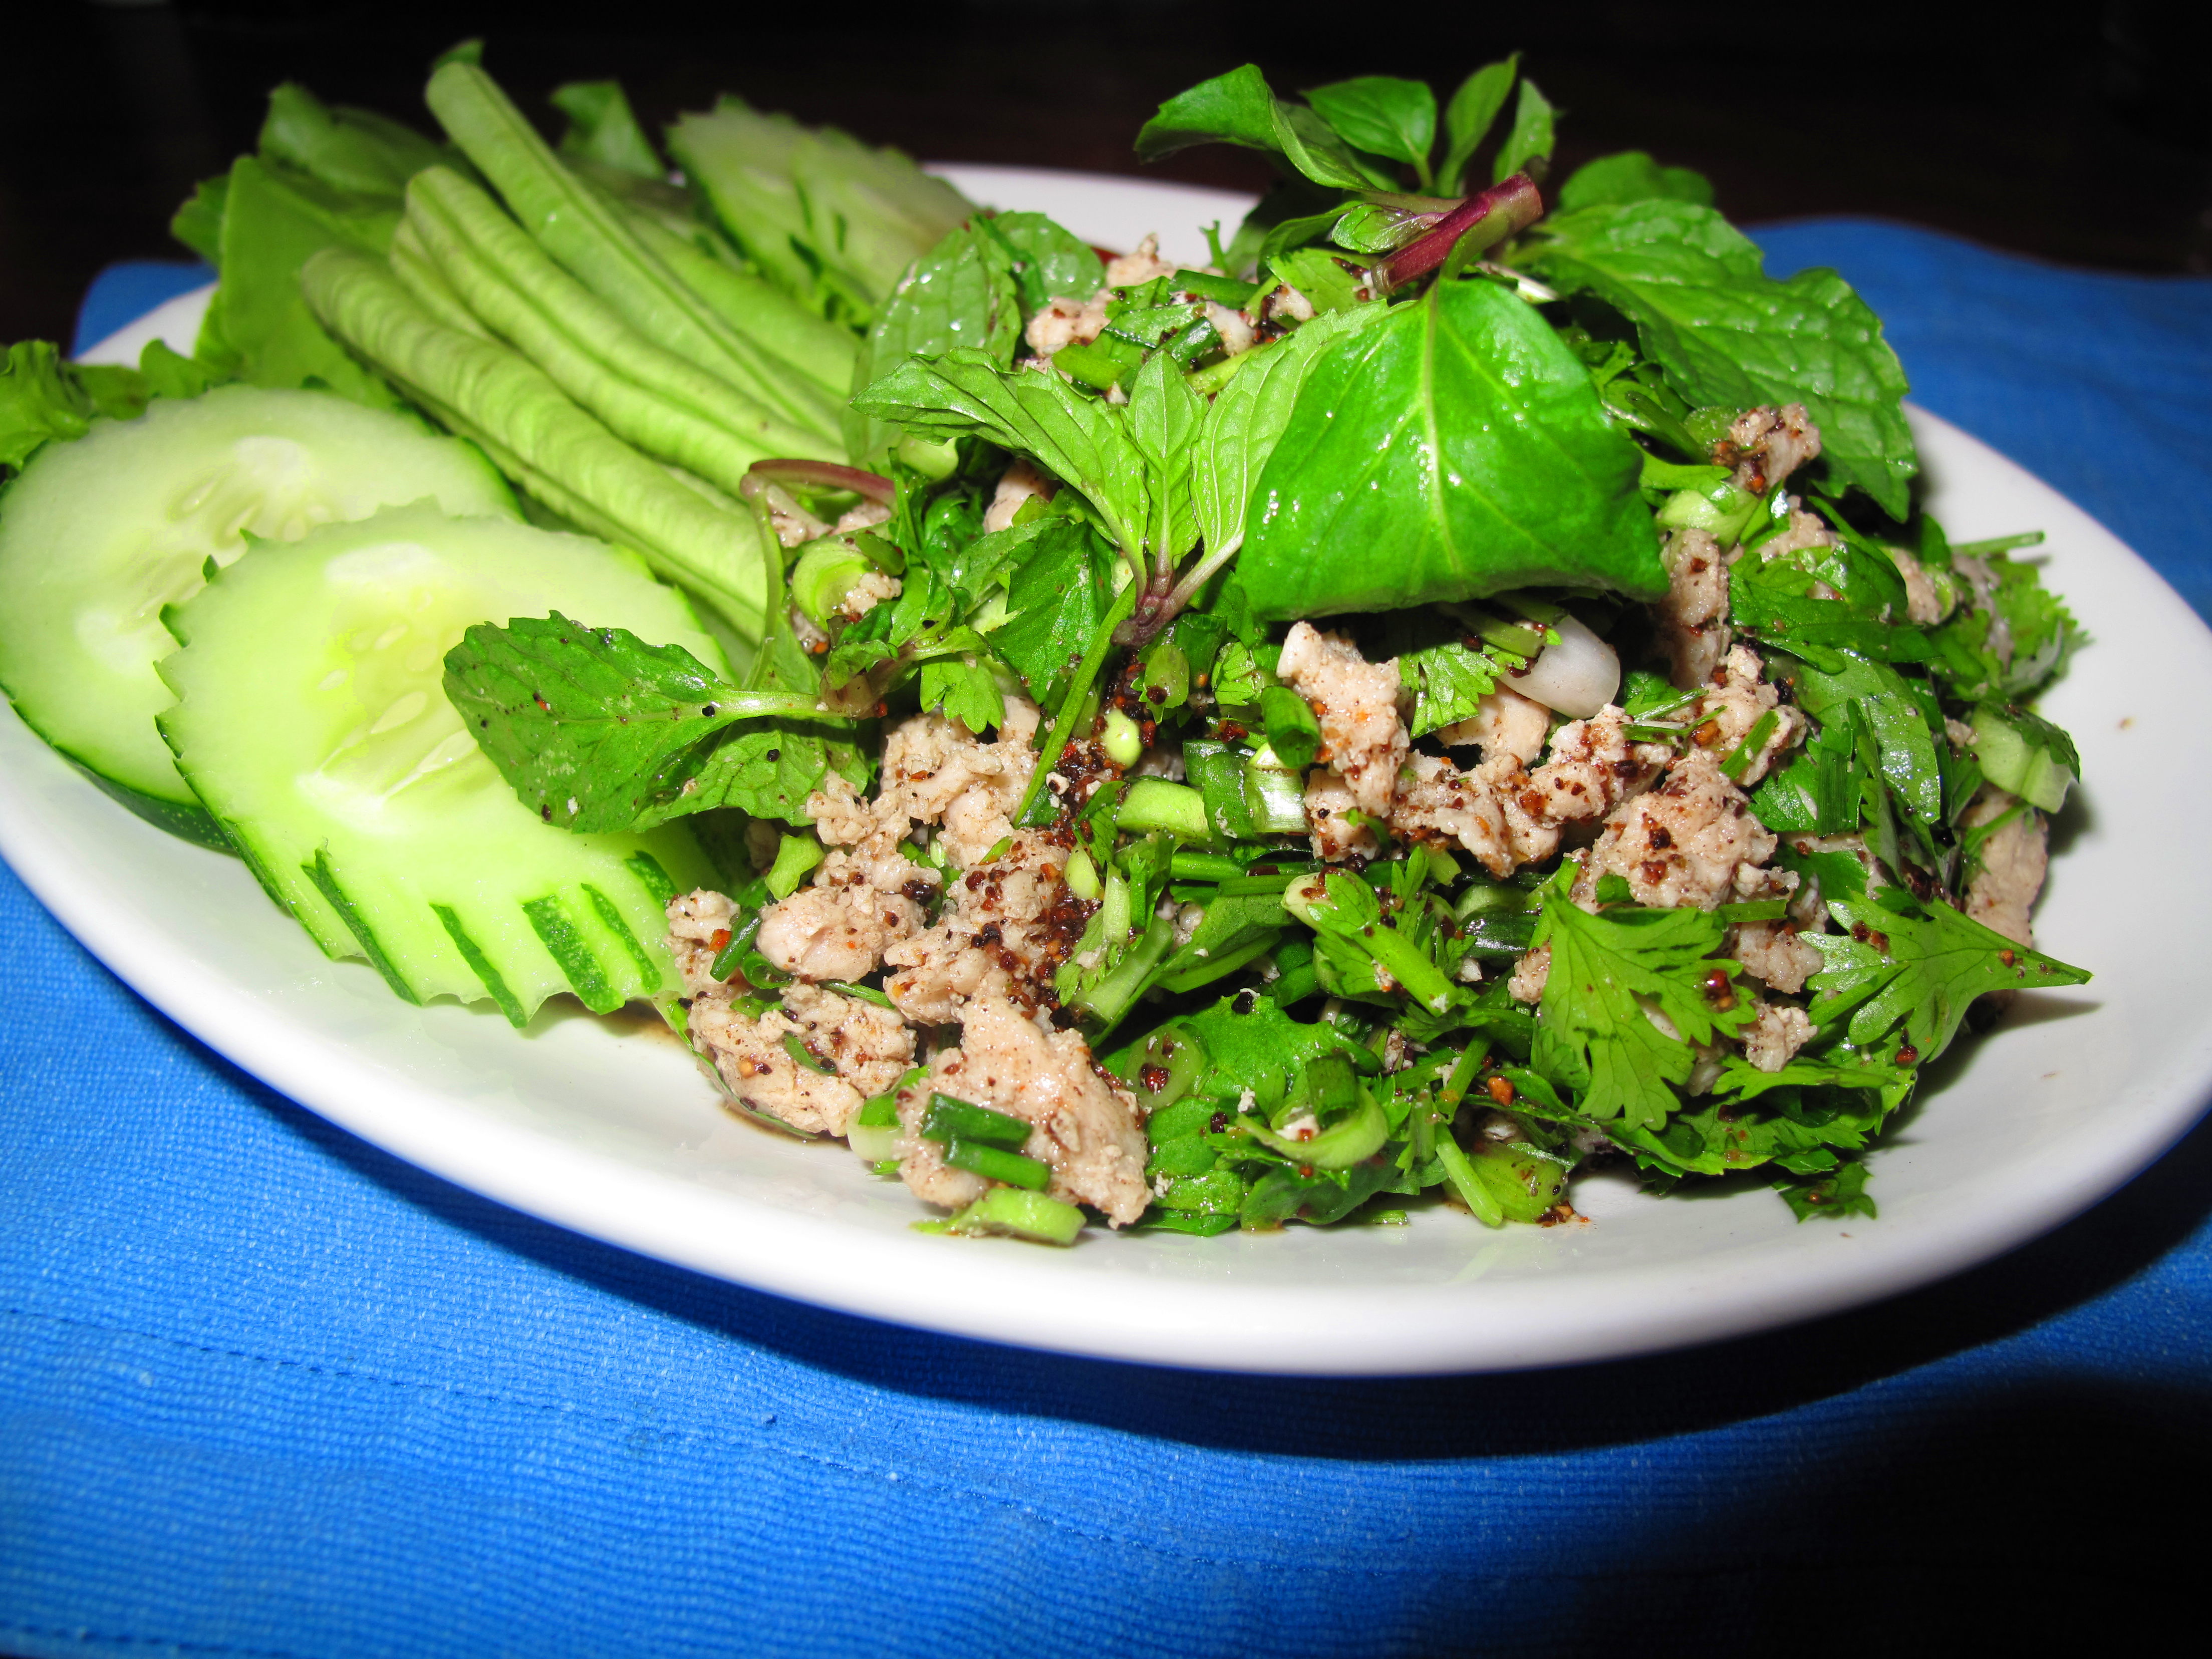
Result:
[[606, 1127]]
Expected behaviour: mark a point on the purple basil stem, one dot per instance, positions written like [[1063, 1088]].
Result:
[[827, 475], [1495, 214]]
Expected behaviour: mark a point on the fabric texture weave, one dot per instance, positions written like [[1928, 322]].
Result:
[[267, 1391]]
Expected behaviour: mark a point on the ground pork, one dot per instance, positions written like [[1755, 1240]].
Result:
[[1593, 767], [1529, 975], [1766, 445], [1356, 701], [1737, 700], [1016, 484], [1006, 928], [1773, 951], [1694, 629], [1065, 320], [2014, 862], [1804, 531], [867, 1049], [1480, 811], [839, 926], [1234, 327], [869, 589], [935, 770], [1691, 839], [1132, 270], [1923, 603], [1087, 1129], [1504, 723], [1336, 835], [698, 928], [1776, 1031]]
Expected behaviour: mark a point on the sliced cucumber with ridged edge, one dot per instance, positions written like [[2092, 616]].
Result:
[[98, 535], [312, 719]]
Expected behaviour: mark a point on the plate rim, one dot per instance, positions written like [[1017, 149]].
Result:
[[995, 1291]]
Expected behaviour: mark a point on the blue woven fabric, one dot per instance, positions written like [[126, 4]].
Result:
[[264, 1391], [122, 294]]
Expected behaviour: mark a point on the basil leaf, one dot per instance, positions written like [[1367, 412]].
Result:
[[1469, 117], [1455, 449], [1632, 176], [1381, 115], [1729, 335]]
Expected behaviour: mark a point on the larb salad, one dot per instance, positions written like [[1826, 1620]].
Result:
[[1457, 687]]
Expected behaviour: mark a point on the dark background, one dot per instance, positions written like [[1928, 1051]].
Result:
[[2081, 132]]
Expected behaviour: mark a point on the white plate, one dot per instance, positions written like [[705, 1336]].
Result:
[[606, 1127]]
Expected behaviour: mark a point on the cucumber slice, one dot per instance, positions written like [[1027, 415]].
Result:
[[312, 719], [98, 535]]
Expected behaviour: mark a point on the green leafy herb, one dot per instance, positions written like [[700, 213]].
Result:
[[1528, 143], [1383, 115], [1729, 335], [1469, 116], [1898, 981], [1593, 1033], [1630, 176], [596, 730], [1240, 108], [1456, 449]]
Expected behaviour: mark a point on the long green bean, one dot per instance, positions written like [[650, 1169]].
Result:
[[498, 393]]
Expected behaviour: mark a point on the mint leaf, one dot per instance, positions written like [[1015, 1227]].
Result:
[[1592, 1032], [1084, 441], [1730, 336], [596, 730], [1454, 448], [1056, 597], [1632, 176], [1905, 980]]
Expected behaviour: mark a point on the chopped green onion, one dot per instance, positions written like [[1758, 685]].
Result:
[[865, 993], [1155, 803], [996, 1164], [1203, 866], [795, 1046], [1740, 758], [1023, 1215], [1222, 290], [1122, 740], [951, 1118], [1082, 875], [1275, 800], [1468, 1185], [1292, 732]]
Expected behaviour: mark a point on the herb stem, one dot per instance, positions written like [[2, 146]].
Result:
[[1480, 221]]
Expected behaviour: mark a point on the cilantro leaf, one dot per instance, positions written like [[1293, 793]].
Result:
[[1899, 981], [1449, 682], [1838, 1195], [596, 730], [1592, 1031], [966, 690], [1730, 335]]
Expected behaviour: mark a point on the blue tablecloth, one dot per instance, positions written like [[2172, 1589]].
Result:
[[264, 1391]]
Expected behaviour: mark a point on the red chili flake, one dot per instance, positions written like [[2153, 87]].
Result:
[[1907, 1055], [718, 941], [1500, 1091], [2007, 957]]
